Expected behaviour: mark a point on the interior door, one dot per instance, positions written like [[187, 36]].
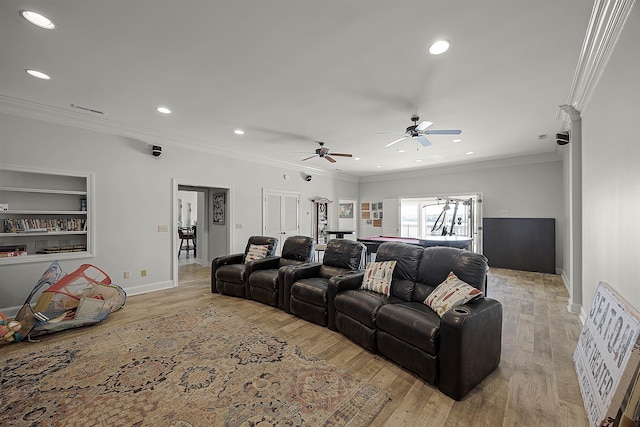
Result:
[[391, 219], [280, 215]]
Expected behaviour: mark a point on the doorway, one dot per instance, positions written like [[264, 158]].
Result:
[[188, 203], [212, 237]]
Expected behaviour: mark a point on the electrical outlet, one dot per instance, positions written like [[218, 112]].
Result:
[[163, 228], [126, 275], [143, 273]]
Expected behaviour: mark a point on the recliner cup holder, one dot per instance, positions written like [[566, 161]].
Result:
[[461, 310]]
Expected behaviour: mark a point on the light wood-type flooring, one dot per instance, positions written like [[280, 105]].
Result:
[[535, 384]]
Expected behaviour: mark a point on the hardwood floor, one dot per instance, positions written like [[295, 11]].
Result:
[[535, 384]]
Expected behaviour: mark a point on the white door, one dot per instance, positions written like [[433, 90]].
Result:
[[280, 215], [391, 218]]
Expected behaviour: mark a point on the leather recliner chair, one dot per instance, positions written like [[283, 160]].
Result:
[[229, 272], [264, 284], [305, 286], [455, 352]]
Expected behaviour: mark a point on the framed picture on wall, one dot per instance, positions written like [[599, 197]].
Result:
[[345, 210], [366, 215], [364, 206], [218, 208]]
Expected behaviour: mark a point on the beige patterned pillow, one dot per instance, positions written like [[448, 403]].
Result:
[[256, 252], [377, 277], [451, 293]]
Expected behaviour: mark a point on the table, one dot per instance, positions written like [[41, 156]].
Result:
[[339, 233], [462, 242]]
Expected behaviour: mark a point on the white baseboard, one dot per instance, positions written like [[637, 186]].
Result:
[[565, 279], [134, 290], [149, 287], [571, 307], [11, 311]]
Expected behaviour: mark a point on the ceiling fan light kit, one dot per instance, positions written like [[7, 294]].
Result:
[[323, 153], [419, 131]]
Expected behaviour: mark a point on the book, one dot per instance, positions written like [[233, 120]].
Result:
[[12, 254]]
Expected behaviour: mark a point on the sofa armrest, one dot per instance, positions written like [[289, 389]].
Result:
[[288, 275], [266, 263], [222, 261], [470, 345], [337, 284]]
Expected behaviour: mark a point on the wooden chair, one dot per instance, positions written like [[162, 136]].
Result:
[[188, 236]]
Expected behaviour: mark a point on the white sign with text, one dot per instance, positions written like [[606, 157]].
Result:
[[607, 355]]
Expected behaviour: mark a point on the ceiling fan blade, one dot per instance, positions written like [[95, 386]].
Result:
[[397, 140], [308, 158], [424, 141], [390, 133], [330, 159], [341, 154], [443, 132], [422, 126]]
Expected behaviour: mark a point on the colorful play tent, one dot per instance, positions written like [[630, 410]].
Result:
[[62, 301]]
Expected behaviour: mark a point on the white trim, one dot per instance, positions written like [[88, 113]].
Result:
[[465, 167], [11, 311], [605, 26], [34, 110], [150, 287]]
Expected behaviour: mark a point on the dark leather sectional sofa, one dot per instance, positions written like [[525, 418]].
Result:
[[455, 352]]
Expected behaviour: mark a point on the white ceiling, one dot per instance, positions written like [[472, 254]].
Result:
[[289, 72]]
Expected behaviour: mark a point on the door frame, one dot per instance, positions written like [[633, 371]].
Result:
[[269, 191], [173, 228]]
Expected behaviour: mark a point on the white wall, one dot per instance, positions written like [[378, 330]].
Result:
[[133, 195], [611, 173], [527, 187]]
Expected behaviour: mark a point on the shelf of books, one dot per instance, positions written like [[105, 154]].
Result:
[[44, 215]]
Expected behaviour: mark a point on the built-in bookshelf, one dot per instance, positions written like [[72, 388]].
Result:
[[44, 215]]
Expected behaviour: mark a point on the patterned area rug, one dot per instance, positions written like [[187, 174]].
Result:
[[206, 367]]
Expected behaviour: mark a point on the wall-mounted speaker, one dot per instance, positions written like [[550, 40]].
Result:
[[562, 138]]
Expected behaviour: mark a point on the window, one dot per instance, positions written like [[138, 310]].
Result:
[[441, 215]]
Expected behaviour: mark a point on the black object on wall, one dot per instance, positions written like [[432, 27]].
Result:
[[527, 244]]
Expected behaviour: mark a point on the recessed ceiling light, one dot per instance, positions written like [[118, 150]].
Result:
[[418, 160], [469, 153], [401, 151], [356, 158], [37, 19], [163, 110], [38, 74], [457, 140], [379, 166], [238, 132], [441, 46]]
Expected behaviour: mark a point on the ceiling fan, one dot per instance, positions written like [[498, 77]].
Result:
[[420, 130], [323, 152]]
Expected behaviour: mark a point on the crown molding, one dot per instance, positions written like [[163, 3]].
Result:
[[607, 20], [87, 121], [467, 167]]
